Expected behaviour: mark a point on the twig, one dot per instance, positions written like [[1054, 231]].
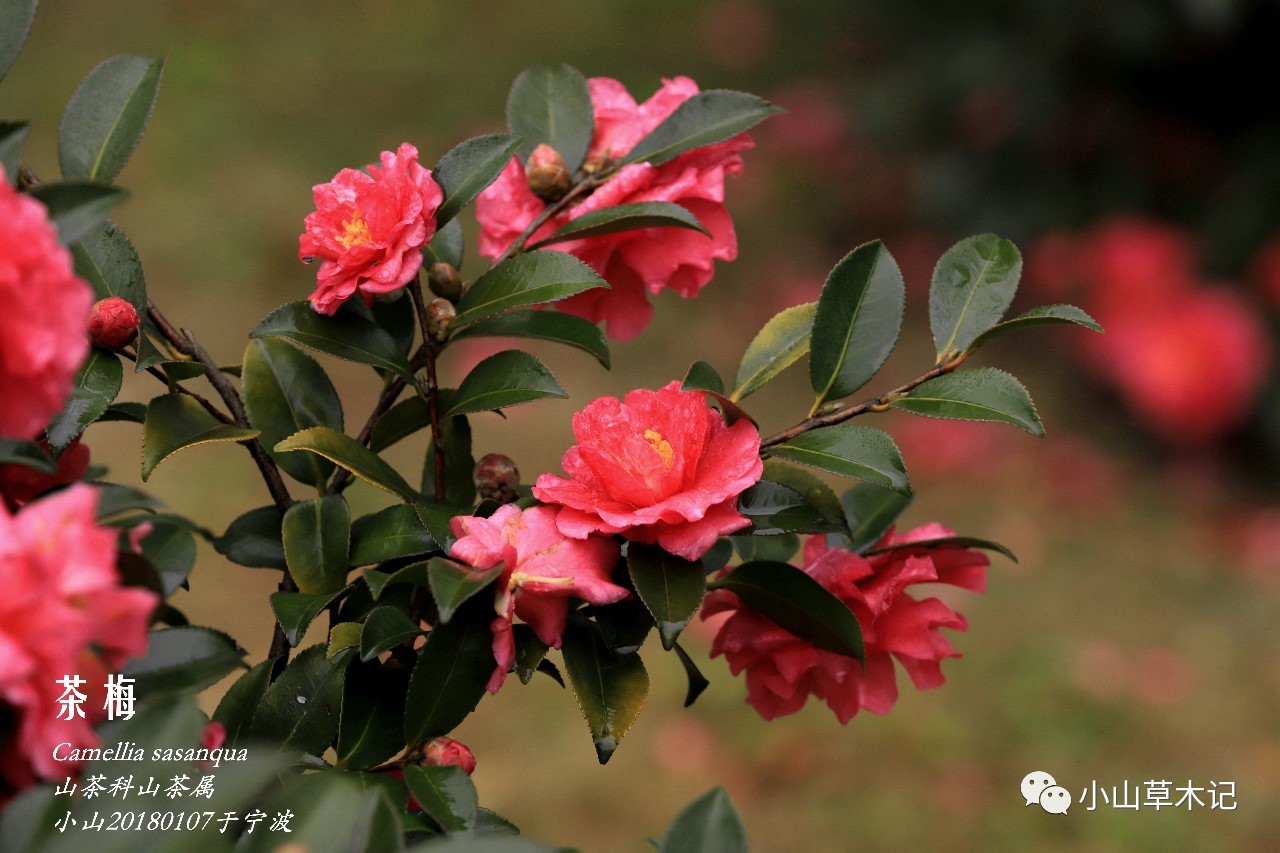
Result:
[[551, 210], [431, 393], [158, 374]]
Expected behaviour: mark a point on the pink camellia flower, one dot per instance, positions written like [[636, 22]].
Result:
[[783, 670], [541, 569], [658, 466], [447, 752], [43, 310], [630, 261], [113, 323], [63, 613], [368, 228]]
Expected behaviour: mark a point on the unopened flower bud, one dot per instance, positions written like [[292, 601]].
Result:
[[447, 752], [547, 173], [113, 323], [440, 314], [444, 281], [496, 477]]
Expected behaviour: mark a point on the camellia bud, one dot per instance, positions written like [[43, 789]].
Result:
[[440, 314], [447, 752], [444, 281], [547, 173], [113, 323], [496, 477]]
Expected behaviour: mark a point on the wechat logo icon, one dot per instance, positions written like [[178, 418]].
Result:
[[1040, 787]]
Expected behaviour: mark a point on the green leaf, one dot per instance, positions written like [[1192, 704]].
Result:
[[851, 451], [134, 413], [983, 394], [331, 811], [384, 628], [529, 278], [345, 335], [459, 464], [706, 118], [171, 550], [702, 377], [28, 454], [775, 509], [1042, 316], [505, 379], [857, 321], [114, 498], [446, 794], [543, 325], [96, 384], [15, 23], [530, 652], [710, 824], [12, 137], [450, 676], [372, 719], [285, 391], [447, 246], [254, 539], [317, 539], [782, 341], [816, 492], [400, 421], [610, 688], [183, 660], [436, 517], [797, 603], [239, 703], [946, 542], [870, 511], [77, 207], [671, 587], [973, 285], [300, 709], [624, 217], [350, 454], [697, 681], [550, 104], [176, 422], [778, 548], [106, 116], [296, 610], [414, 575], [624, 625], [388, 535], [452, 583], [343, 636], [468, 168]]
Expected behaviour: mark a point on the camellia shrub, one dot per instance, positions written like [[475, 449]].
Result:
[[670, 505]]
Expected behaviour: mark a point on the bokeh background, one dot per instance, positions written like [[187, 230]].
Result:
[[1130, 147]]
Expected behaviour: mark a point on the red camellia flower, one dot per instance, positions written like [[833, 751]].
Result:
[[783, 670], [658, 466], [63, 613], [630, 261], [43, 310], [368, 228], [113, 323], [447, 752], [20, 484], [541, 569]]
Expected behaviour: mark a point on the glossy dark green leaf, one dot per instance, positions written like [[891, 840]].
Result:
[[468, 168], [624, 217], [343, 636], [296, 610], [286, 391], [345, 335], [453, 583], [710, 824], [349, 454], [238, 704], [300, 709], [530, 278], [543, 325], [718, 556], [851, 451], [317, 539], [973, 285], [816, 492], [797, 603], [779, 548], [114, 498], [870, 511], [388, 535], [397, 318], [105, 118], [436, 517], [702, 377], [857, 321], [490, 823], [182, 660], [171, 550], [447, 246], [624, 625], [107, 260], [947, 542], [610, 688], [505, 379], [775, 509], [331, 811], [95, 386], [983, 394], [254, 539], [12, 137], [530, 652], [371, 726], [413, 575], [697, 681], [670, 586], [1042, 316], [384, 628], [706, 118], [134, 413], [176, 422], [777, 346], [28, 454], [450, 677], [447, 794], [459, 464], [77, 207], [15, 23], [550, 104], [400, 421]]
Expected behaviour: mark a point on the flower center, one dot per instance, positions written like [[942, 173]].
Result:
[[355, 231], [660, 446]]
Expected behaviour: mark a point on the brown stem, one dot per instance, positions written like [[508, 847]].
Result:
[[158, 374], [431, 393]]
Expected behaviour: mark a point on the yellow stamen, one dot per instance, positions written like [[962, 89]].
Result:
[[355, 231], [660, 445]]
